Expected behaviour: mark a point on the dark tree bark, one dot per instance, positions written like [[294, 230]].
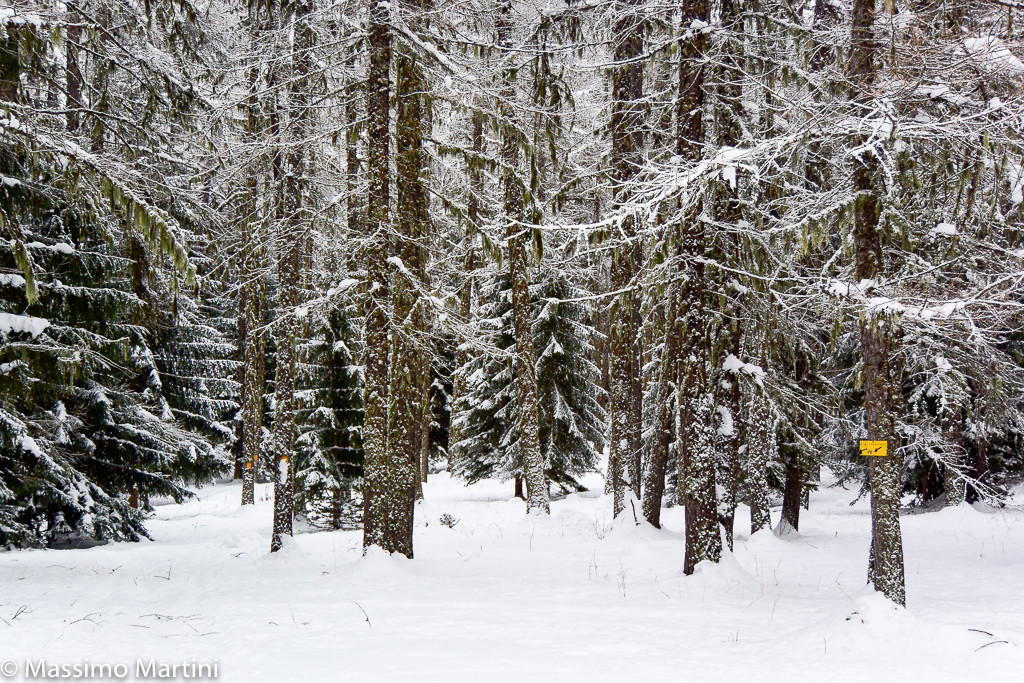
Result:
[[955, 467], [519, 237], [626, 158], [761, 449], [792, 496], [292, 240], [474, 215], [352, 165], [696, 399], [879, 332], [10, 68], [410, 364], [979, 470], [389, 483], [728, 210], [665, 429], [251, 339], [252, 298], [73, 73], [729, 468]]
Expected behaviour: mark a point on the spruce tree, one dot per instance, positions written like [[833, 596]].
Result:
[[572, 423], [329, 455], [96, 269]]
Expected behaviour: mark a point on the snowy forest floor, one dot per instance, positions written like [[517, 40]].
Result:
[[503, 596]]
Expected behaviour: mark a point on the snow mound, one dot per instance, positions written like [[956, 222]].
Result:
[[631, 524], [876, 624], [376, 564], [726, 571], [289, 556]]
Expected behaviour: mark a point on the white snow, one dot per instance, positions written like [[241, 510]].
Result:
[[735, 284], [504, 596], [888, 305], [727, 427], [12, 280], [734, 365], [398, 263], [838, 288], [29, 444], [1015, 175], [943, 229], [22, 323], [729, 175], [343, 286], [59, 247], [993, 54], [6, 368], [943, 91], [19, 17]]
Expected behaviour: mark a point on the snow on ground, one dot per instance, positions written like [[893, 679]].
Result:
[[503, 596]]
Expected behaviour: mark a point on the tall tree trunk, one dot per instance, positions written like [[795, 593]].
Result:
[[979, 470], [626, 159], [473, 213], [293, 237], [729, 211], [389, 475], [99, 97], [729, 467], [352, 165], [10, 68], [696, 398], [252, 316], [410, 366], [519, 237], [953, 470], [818, 166], [761, 451], [252, 297], [665, 421], [792, 496], [425, 421], [879, 332]]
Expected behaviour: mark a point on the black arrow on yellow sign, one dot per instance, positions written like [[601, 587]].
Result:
[[874, 448]]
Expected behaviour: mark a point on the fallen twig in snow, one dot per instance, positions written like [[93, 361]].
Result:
[[363, 611]]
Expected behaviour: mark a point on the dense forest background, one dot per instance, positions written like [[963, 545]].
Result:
[[341, 245]]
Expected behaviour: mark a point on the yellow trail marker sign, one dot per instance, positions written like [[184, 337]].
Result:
[[875, 448]]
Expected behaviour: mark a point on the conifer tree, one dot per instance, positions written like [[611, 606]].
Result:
[[389, 486], [879, 333], [330, 418], [571, 422], [519, 237], [696, 402], [627, 133], [94, 270]]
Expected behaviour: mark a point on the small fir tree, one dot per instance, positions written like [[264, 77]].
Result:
[[572, 421]]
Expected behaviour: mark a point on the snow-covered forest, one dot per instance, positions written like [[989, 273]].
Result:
[[302, 289]]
